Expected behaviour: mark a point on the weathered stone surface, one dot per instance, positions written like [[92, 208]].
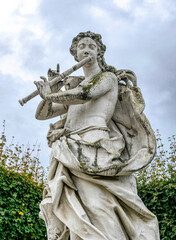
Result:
[[102, 137]]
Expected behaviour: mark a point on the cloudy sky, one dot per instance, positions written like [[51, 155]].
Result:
[[36, 35]]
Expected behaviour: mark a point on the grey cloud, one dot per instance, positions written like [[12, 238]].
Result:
[[146, 47], [63, 15], [20, 121], [5, 45], [32, 50]]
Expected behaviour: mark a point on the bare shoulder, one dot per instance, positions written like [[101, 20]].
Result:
[[109, 76]]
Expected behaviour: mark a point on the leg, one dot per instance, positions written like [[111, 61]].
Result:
[[100, 205]]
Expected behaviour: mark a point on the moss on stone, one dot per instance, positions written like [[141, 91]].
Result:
[[92, 82], [111, 69]]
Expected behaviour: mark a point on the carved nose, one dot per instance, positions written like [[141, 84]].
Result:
[[86, 52]]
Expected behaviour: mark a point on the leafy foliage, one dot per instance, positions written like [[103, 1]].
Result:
[[20, 159], [22, 182], [19, 207], [157, 187], [23, 178], [163, 167]]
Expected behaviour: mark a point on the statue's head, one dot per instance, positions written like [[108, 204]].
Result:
[[100, 47]]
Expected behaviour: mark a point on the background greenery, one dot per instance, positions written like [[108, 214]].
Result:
[[22, 181], [157, 187], [23, 178]]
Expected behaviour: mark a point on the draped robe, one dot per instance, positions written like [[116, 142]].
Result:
[[91, 191]]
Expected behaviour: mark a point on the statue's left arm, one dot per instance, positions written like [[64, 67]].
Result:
[[95, 88]]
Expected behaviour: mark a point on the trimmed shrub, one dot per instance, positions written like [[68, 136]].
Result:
[[160, 198], [23, 178], [19, 207], [157, 188], [20, 159], [22, 181]]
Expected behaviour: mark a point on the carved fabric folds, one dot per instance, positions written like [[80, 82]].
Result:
[[91, 201]]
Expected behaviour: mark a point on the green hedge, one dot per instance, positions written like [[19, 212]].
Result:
[[19, 207], [157, 187], [160, 198], [22, 179], [20, 198]]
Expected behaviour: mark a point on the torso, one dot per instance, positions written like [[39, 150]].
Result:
[[96, 112]]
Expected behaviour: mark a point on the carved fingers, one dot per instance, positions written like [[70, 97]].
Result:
[[53, 73], [43, 78], [43, 87]]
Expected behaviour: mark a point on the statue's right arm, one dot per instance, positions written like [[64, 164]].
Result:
[[47, 110]]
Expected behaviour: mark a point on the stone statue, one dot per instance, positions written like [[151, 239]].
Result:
[[101, 139]]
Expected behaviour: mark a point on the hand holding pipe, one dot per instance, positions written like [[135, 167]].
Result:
[[57, 79]]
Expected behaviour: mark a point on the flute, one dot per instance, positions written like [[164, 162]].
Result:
[[57, 79]]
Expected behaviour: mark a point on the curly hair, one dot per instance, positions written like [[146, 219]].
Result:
[[101, 49]]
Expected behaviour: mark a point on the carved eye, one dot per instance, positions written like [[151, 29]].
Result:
[[92, 46], [81, 46]]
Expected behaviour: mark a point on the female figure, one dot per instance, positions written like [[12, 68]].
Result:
[[102, 138]]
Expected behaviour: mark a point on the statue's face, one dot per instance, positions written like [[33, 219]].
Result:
[[87, 47]]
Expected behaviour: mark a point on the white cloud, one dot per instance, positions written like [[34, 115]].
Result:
[[103, 17], [153, 1], [123, 4], [114, 26], [29, 6], [13, 14], [18, 17], [158, 8], [164, 97], [12, 65], [140, 12], [161, 9], [98, 12]]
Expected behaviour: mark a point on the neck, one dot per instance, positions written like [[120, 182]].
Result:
[[91, 70]]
